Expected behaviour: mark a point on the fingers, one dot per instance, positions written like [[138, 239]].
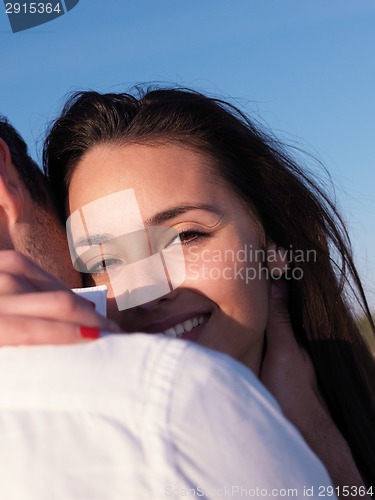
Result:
[[278, 302], [11, 284], [52, 317], [59, 305], [286, 363], [279, 333], [18, 266], [36, 308], [16, 330]]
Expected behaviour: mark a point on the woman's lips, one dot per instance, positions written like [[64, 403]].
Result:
[[196, 332], [187, 327]]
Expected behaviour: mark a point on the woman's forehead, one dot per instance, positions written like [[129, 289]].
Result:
[[159, 175]]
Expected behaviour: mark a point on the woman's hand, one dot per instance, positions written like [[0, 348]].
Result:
[[288, 373], [36, 308]]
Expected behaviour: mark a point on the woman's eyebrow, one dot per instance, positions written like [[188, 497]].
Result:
[[159, 218], [172, 212], [95, 239]]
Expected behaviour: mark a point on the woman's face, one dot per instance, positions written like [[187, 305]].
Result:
[[223, 302]]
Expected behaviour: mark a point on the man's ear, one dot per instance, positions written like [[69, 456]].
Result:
[[11, 190], [277, 260]]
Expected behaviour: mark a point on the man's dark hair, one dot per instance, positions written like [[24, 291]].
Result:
[[32, 177]]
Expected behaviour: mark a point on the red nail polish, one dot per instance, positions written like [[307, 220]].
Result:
[[87, 332]]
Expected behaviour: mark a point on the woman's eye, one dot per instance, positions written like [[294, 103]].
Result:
[[102, 266], [188, 237]]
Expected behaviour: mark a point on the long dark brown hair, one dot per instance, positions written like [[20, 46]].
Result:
[[293, 211]]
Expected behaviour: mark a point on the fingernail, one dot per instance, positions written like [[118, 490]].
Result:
[[278, 290], [87, 332]]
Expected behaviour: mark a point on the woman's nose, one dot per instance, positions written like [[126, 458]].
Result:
[[154, 304]]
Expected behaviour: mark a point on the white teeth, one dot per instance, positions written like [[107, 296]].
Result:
[[181, 328], [171, 332], [188, 325]]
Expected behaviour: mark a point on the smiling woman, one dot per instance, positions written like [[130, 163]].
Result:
[[201, 167], [173, 185]]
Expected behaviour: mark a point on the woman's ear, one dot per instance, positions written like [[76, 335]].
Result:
[[277, 260], [11, 191]]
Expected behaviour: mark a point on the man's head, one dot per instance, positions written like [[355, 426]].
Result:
[[28, 221]]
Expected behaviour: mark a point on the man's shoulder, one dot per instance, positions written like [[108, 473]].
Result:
[[132, 365], [101, 412]]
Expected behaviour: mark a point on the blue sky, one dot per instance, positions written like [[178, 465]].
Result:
[[304, 68]]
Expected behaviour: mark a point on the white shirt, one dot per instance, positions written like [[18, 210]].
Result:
[[143, 417]]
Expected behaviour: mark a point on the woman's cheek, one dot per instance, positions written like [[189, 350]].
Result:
[[238, 287], [220, 277], [214, 266]]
